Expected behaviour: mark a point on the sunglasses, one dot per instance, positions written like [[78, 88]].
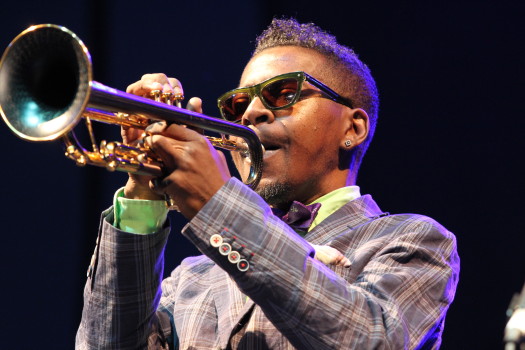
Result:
[[279, 92]]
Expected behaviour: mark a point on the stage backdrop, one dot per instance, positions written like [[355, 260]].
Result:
[[449, 142]]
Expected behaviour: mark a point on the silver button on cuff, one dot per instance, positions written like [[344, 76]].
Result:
[[243, 265], [216, 240], [225, 249], [234, 257]]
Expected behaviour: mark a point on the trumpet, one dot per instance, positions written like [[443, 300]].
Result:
[[46, 88]]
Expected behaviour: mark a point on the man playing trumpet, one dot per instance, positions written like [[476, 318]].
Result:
[[305, 261]]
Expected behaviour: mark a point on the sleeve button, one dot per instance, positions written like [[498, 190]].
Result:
[[243, 265], [234, 257], [225, 249], [216, 240]]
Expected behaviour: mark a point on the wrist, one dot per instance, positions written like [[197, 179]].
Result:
[[134, 190]]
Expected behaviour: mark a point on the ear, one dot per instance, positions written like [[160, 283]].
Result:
[[358, 126]]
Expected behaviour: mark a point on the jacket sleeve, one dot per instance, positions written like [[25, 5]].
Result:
[[397, 300], [123, 290]]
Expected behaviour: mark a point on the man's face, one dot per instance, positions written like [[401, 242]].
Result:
[[302, 142]]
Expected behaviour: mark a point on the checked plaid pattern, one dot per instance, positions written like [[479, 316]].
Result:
[[395, 295]]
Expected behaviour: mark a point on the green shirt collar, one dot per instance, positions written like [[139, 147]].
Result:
[[334, 200]]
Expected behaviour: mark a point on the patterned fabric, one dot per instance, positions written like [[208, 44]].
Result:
[[395, 295], [299, 216]]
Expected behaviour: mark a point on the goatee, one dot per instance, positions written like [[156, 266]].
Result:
[[275, 194]]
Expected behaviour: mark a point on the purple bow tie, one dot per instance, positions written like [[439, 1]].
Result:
[[300, 216]]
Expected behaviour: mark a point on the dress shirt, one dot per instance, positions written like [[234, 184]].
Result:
[[138, 216]]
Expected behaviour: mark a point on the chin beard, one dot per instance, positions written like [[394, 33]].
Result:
[[275, 194]]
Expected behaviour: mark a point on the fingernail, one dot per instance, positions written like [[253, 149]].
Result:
[[161, 123], [177, 90]]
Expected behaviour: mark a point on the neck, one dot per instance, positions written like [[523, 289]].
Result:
[[351, 179]]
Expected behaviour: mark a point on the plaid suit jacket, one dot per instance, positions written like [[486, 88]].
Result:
[[394, 296]]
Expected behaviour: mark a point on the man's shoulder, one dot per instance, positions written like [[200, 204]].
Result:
[[404, 234], [377, 218], [410, 221], [361, 222], [387, 224]]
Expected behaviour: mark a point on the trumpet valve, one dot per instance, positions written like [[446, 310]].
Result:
[[81, 161], [112, 165], [73, 153], [169, 98], [70, 151], [155, 95], [107, 149]]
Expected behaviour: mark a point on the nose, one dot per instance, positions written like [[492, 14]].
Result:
[[256, 113]]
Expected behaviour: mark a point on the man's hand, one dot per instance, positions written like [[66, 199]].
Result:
[[195, 170], [137, 186]]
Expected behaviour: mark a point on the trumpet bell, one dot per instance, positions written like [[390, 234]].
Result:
[[45, 76]]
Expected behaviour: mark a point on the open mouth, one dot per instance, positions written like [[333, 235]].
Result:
[[270, 149], [269, 141], [269, 144]]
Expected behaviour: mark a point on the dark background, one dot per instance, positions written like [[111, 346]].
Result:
[[449, 141]]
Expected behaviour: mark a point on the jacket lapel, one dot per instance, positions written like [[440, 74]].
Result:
[[348, 217]]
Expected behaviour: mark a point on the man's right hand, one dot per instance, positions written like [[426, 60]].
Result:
[[138, 186]]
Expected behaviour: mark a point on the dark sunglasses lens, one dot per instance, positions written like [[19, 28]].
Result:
[[281, 93], [234, 106]]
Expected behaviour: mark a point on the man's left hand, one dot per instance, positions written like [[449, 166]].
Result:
[[195, 170]]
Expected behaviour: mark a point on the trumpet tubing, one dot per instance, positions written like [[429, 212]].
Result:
[[46, 88]]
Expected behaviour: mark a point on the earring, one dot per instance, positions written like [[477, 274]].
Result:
[[348, 143]]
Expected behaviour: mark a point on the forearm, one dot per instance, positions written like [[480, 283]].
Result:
[[122, 291]]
